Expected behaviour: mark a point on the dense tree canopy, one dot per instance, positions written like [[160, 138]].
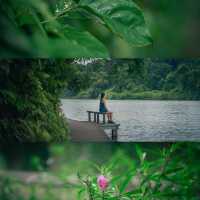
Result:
[[29, 100], [30, 90], [137, 79]]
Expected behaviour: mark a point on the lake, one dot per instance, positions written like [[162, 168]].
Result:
[[145, 120]]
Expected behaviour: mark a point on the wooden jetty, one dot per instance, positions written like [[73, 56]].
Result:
[[93, 130], [83, 131], [100, 119]]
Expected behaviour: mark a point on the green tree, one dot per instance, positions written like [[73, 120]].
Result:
[[29, 100], [139, 78]]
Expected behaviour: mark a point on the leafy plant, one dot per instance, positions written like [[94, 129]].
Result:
[[29, 100], [166, 177], [69, 28], [133, 171]]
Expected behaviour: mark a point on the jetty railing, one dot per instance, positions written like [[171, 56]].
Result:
[[100, 118], [95, 117]]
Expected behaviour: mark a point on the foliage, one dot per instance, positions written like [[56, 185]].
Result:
[[135, 172], [168, 176], [65, 28], [137, 79], [29, 100]]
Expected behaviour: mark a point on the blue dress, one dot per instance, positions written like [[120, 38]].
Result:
[[102, 107]]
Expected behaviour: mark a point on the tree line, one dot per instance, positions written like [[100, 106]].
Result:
[[31, 89], [136, 79]]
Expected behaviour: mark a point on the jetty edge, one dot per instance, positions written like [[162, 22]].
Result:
[[83, 131], [100, 119], [93, 129]]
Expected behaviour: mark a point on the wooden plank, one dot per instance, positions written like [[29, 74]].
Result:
[[93, 111], [96, 112], [110, 126], [113, 126], [86, 131], [114, 130]]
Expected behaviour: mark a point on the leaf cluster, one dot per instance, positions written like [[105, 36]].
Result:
[[29, 100], [167, 173], [69, 28]]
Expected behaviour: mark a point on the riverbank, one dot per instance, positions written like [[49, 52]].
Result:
[[145, 95], [82, 131]]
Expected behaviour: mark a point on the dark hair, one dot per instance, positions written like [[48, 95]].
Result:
[[102, 95]]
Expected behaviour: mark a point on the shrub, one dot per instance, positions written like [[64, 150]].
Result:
[[29, 100]]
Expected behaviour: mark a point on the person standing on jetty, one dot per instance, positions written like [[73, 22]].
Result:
[[103, 107]]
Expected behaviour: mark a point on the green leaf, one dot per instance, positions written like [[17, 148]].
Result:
[[37, 20], [84, 44], [123, 17], [139, 151], [126, 181], [80, 193], [70, 43]]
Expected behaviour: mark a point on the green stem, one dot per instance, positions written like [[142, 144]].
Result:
[[103, 195], [89, 191], [61, 14]]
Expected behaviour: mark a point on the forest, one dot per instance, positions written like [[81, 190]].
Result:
[[31, 89], [136, 79], [30, 100]]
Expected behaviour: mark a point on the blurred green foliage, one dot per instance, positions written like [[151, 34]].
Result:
[[67, 28], [30, 100], [136, 79], [135, 171], [101, 28], [165, 177], [174, 26]]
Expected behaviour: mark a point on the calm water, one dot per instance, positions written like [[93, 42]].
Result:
[[145, 120]]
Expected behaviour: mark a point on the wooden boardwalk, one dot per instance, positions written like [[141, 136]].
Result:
[[82, 131], [94, 116]]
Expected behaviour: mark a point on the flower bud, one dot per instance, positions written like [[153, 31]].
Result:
[[102, 182]]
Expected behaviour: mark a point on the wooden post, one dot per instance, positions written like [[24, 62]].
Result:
[[89, 116], [114, 134], [97, 118], [104, 118]]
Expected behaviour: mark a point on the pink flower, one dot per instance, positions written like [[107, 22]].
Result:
[[102, 182]]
